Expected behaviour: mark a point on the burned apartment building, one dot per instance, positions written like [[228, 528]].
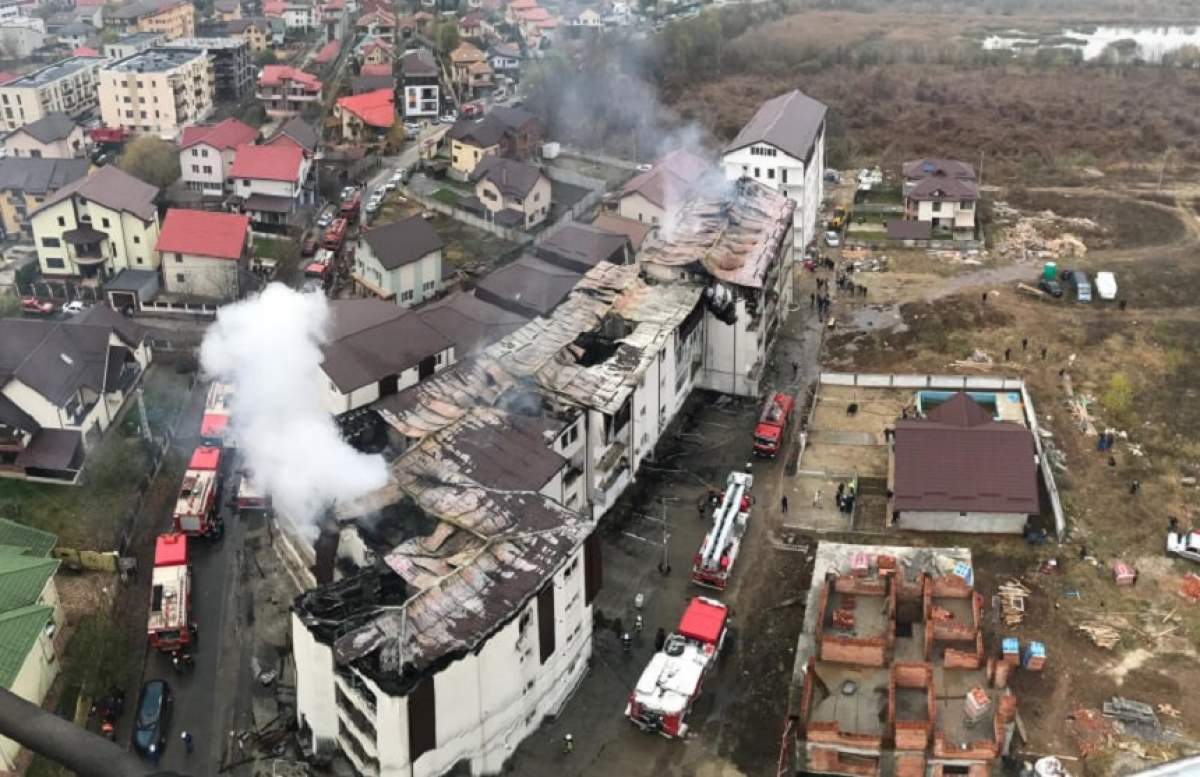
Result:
[[892, 675], [462, 616]]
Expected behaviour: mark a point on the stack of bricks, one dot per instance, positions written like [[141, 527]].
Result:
[[1010, 651], [886, 565], [1035, 657], [843, 619]]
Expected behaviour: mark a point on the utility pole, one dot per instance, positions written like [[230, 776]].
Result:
[[141, 403]]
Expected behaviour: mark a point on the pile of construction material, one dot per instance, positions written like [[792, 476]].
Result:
[[1012, 602], [1042, 235]]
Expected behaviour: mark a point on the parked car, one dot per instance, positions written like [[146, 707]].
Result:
[[74, 306], [832, 176], [153, 719], [448, 118], [397, 178], [348, 192], [35, 305], [1077, 281], [325, 219], [1051, 287], [833, 239], [1106, 285]]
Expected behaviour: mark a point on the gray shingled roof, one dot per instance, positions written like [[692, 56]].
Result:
[[470, 322], [40, 176], [373, 339], [514, 179], [418, 63], [483, 133], [113, 188], [582, 246], [790, 122], [402, 242], [529, 286], [300, 131], [50, 128]]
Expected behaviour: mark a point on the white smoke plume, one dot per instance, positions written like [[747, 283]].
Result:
[[268, 347]]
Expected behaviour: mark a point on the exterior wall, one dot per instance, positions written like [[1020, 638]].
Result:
[[255, 39], [176, 22], [15, 207], [245, 187], [421, 100], [535, 206], [32, 683], [73, 94], [638, 208], [316, 703], [464, 156], [205, 168], [202, 276], [130, 241], [974, 523], [20, 40], [337, 403], [410, 284], [22, 144], [146, 102], [801, 182], [959, 215]]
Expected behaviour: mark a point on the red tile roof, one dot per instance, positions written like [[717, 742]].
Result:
[[328, 52], [230, 133], [377, 108], [204, 233], [275, 75], [7, 75], [85, 51], [957, 459], [518, 5], [383, 69], [279, 162], [273, 7]]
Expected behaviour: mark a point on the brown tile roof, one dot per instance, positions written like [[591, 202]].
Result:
[[636, 231], [915, 169], [402, 242], [372, 339], [113, 188], [957, 459], [940, 188]]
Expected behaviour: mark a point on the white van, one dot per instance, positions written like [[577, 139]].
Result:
[[1106, 285]]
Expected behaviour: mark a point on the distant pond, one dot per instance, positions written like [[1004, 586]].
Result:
[[1145, 43]]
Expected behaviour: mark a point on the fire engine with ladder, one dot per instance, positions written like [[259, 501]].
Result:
[[674, 678], [714, 563], [198, 508], [214, 426], [170, 595]]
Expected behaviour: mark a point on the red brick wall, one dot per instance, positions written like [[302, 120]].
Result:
[[822, 606], [859, 585], [912, 675], [950, 586], [979, 750], [912, 734], [827, 731], [830, 761], [810, 680], [910, 765], [861, 652]]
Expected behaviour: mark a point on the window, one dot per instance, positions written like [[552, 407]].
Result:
[[428, 285], [537, 196], [195, 168], [570, 569], [180, 277], [142, 100], [128, 99], [771, 173], [407, 296], [54, 264], [245, 182], [783, 175], [178, 257], [204, 152], [136, 239], [143, 114], [967, 205], [195, 152], [139, 260], [62, 222], [757, 173], [104, 221], [208, 168], [50, 242]]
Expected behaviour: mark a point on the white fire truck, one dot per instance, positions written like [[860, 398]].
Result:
[[250, 496], [198, 508], [674, 678], [714, 563], [170, 595], [214, 425]]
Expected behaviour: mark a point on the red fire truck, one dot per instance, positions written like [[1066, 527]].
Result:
[[714, 562], [335, 234], [674, 678], [198, 508], [351, 206], [250, 496], [170, 595], [214, 426], [776, 413]]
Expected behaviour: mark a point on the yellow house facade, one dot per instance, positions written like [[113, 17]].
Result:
[[159, 91], [176, 20]]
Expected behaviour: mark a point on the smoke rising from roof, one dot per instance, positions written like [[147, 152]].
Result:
[[268, 347]]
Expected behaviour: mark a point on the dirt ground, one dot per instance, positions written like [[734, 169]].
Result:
[[1151, 244]]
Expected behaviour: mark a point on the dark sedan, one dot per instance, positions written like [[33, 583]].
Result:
[[153, 719], [1051, 287]]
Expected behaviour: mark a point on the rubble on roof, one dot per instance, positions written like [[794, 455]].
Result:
[[734, 234]]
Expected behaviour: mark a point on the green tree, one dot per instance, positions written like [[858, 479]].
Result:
[[265, 57], [1118, 396], [152, 159], [447, 37], [97, 654], [10, 305]]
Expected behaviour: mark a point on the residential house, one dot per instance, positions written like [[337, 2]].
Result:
[[286, 91], [580, 247], [943, 193], [635, 231], [960, 469], [19, 38], [522, 133], [471, 140], [376, 349], [406, 27], [401, 260], [30, 618], [516, 7], [296, 16], [256, 32], [654, 196], [74, 35], [159, 90], [463, 60], [421, 80], [378, 23], [25, 183], [299, 133], [228, 10], [383, 70], [588, 19], [204, 253], [366, 118], [505, 59], [94, 227], [471, 25], [133, 43], [233, 69], [783, 147], [172, 18], [62, 383], [54, 136], [273, 181], [376, 51], [206, 154], [528, 287], [328, 54], [515, 194], [69, 86]]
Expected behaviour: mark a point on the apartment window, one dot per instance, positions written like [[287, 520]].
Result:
[[783, 175], [204, 152], [195, 168], [54, 264], [136, 239], [139, 260], [771, 173], [195, 152], [407, 296], [129, 114], [156, 113], [143, 114], [140, 83], [178, 257], [142, 100], [62, 222], [428, 285], [757, 173], [128, 99], [208, 168], [180, 277], [50, 242], [104, 221], [570, 569], [245, 182]]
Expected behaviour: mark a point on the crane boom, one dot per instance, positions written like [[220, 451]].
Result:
[[718, 550]]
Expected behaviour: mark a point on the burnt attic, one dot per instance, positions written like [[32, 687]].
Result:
[[464, 540]]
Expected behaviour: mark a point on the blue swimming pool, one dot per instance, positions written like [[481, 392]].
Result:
[[926, 400]]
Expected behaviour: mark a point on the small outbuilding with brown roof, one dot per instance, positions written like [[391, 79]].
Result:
[[959, 470]]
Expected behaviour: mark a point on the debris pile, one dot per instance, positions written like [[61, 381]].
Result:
[[1190, 589], [1012, 602], [1102, 634], [1131, 713], [1041, 235], [1090, 729]]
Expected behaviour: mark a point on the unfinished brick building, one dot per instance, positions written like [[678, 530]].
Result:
[[898, 681]]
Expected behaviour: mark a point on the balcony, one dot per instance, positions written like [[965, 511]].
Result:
[[87, 244]]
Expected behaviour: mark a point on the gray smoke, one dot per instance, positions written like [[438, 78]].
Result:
[[269, 348]]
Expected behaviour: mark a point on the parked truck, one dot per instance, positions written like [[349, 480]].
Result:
[[198, 506], [335, 234], [714, 562], [1185, 544], [772, 424], [214, 424], [674, 678], [167, 628]]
